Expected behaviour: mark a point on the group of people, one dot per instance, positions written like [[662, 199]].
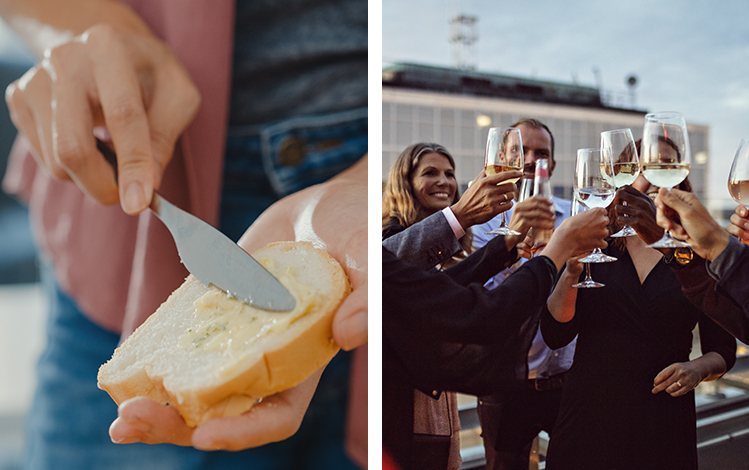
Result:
[[607, 372]]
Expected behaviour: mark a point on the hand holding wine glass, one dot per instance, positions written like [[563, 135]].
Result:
[[504, 152], [625, 165], [738, 186], [665, 158], [695, 224], [593, 189], [739, 226]]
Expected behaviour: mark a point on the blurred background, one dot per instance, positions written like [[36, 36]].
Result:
[[451, 69], [22, 305]]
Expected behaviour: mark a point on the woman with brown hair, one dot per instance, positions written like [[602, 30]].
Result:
[[420, 186], [628, 400]]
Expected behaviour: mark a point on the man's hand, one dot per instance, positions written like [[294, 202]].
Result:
[[125, 83], [484, 199], [578, 234], [696, 226], [535, 212], [638, 213], [332, 216], [739, 226]]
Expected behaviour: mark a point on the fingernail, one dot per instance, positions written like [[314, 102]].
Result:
[[134, 198], [746, 225], [355, 327]]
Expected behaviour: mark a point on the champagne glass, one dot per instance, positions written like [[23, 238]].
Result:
[[665, 157], [588, 281], [625, 164], [504, 152], [738, 178], [594, 188]]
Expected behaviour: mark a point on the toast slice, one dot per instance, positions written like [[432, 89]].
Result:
[[210, 355]]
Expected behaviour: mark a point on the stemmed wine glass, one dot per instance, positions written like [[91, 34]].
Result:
[[738, 178], [625, 164], [665, 158], [504, 152], [588, 281], [593, 189]]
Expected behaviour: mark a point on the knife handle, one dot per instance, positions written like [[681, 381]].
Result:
[[110, 156]]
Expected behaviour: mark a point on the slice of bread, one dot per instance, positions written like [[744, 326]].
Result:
[[210, 355]]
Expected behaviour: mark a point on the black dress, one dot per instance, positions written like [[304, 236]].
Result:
[[628, 333]]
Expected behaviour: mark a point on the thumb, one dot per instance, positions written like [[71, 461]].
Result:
[[350, 323], [674, 199]]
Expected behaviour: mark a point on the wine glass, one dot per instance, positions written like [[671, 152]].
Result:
[[588, 281], [738, 178], [625, 164], [504, 152], [665, 157], [593, 188]]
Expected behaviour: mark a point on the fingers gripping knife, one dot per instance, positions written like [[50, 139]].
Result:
[[212, 257]]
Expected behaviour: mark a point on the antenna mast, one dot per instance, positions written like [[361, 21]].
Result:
[[463, 37]]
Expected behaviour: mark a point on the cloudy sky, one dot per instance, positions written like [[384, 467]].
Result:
[[690, 56]]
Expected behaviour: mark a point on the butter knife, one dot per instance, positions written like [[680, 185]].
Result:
[[212, 257]]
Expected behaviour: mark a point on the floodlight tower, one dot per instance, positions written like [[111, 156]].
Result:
[[463, 37]]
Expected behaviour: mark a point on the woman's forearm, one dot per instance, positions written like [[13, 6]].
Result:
[[562, 301], [711, 366]]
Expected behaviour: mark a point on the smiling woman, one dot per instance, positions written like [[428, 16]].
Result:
[[420, 183], [434, 182]]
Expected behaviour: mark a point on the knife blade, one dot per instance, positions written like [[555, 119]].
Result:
[[212, 257]]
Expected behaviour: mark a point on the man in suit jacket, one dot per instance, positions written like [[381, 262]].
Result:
[[422, 311]]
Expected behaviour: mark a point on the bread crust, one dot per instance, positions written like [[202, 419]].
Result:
[[296, 354]]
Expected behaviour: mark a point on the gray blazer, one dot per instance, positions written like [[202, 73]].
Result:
[[424, 244]]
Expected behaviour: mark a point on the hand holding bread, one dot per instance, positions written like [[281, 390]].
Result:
[[331, 216]]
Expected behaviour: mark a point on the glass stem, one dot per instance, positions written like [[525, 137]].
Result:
[[502, 221], [588, 277]]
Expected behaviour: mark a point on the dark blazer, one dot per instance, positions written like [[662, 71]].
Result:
[[425, 311], [726, 299]]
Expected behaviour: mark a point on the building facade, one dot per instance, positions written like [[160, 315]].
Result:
[[455, 108]]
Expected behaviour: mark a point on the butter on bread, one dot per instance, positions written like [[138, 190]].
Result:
[[209, 355]]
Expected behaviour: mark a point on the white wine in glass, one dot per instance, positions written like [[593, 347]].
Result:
[[504, 152], [625, 165], [738, 178], [665, 157], [594, 188]]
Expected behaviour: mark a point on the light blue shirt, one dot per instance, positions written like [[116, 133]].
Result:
[[542, 361]]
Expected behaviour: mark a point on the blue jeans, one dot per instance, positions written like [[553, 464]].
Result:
[[69, 421]]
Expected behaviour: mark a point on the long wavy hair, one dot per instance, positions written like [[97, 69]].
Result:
[[399, 203]]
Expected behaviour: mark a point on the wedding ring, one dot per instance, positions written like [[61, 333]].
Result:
[[678, 384]]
